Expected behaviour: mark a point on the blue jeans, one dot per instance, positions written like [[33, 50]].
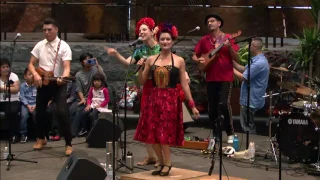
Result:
[[78, 115], [25, 114], [243, 119]]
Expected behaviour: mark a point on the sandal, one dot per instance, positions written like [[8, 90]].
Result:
[[158, 170], [167, 172], [147, 161]]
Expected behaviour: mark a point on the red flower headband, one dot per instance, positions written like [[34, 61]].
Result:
[[147, 21], [169, 28]]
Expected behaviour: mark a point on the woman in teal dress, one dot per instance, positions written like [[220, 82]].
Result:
[[144, 29]]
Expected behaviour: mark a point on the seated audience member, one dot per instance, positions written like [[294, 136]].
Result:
[[28, 93], [90, 67], [11, 109], [98, 98]]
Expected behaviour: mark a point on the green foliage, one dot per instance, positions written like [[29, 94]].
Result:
[[309, 44]]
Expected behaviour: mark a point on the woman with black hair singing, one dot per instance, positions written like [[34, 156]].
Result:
[[162, 125]]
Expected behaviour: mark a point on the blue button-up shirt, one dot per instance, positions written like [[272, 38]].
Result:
[[28, 94], [259, 76]]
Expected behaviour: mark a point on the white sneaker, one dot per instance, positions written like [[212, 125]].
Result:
[[230, 139]]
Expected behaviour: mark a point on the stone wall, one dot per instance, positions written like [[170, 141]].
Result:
[[111, 66]]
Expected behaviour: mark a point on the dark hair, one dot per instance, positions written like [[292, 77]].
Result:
[[5, 62], [217, 17], [25, 71], [100, 77], [84, 56], [50, 21]]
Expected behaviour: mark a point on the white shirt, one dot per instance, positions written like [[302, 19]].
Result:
[[45, 52], [14, 97]]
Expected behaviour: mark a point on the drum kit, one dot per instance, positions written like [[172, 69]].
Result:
[[299, 118]]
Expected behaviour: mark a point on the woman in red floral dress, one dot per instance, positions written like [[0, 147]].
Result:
[[161, 121], [145, 28]]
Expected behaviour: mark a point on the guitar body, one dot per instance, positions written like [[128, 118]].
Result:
[[45, 75], [212, 55], [208, 60]]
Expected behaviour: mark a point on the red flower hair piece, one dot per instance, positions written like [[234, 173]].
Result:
[[169, 28], [147, 21]]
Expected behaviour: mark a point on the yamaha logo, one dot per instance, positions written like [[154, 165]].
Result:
[[298, 121]]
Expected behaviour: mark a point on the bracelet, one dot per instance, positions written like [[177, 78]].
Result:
[[191, 104]]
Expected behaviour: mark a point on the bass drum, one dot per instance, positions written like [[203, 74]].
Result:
[[298, 138]]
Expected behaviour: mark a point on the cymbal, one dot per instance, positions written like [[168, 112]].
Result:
[[282, 69], [297, 88], [288, 85], [303, 90]]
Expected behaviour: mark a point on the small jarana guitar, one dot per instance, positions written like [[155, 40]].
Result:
[[48, 76], [210, 57]]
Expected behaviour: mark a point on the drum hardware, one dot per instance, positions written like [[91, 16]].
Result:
[[297, 137], [272, 149], [314, 169]]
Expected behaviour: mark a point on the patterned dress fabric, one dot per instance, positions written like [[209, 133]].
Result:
[[161, 118]]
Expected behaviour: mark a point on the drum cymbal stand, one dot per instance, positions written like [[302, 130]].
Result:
[[272, 148], [314, 169]]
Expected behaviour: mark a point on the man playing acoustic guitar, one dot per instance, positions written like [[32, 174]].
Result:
[[54, 58], [219, 73]]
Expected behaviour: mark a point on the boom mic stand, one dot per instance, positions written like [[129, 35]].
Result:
[[219, 121], [7, 94]]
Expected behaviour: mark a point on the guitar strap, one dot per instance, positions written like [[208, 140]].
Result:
[[55, 59]]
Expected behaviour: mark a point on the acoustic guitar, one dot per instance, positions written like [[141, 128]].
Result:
[[48, 76], [210, 57]]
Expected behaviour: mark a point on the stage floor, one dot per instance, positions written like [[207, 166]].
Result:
[[51, 160]]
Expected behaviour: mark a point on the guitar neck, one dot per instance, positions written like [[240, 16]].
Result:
[[216, 50], [55, 78]]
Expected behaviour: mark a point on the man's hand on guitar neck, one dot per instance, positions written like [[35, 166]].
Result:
[[60, 81]]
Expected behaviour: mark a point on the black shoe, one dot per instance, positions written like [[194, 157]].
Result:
[[23, 139], [82, 133], [14, 139], [167, 172], [157, 170]]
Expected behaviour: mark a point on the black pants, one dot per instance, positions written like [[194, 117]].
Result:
[[59, 95], [12, 112], [220, 93]]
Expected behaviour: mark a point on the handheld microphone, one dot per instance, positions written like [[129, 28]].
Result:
[[135, 42], [17, 36], [195, 29], [284, 26], [138, 68]]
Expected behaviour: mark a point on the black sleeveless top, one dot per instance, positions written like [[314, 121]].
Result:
[[165, 76]]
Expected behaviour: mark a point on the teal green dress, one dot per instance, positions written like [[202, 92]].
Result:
[[146, 51]]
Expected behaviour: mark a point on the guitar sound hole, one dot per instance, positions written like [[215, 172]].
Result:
[[210, 56]]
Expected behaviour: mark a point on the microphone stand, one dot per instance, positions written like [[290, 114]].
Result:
[[7, 94], [124, 157], [182, 39], [220, 120]]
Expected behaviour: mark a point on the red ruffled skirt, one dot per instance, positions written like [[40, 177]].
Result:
[[147, 88], [161, 118]]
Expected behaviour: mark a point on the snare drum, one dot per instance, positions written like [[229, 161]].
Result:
[[298, 137]]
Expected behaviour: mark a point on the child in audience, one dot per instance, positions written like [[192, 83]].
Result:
[[98, 98], [28, 93]]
